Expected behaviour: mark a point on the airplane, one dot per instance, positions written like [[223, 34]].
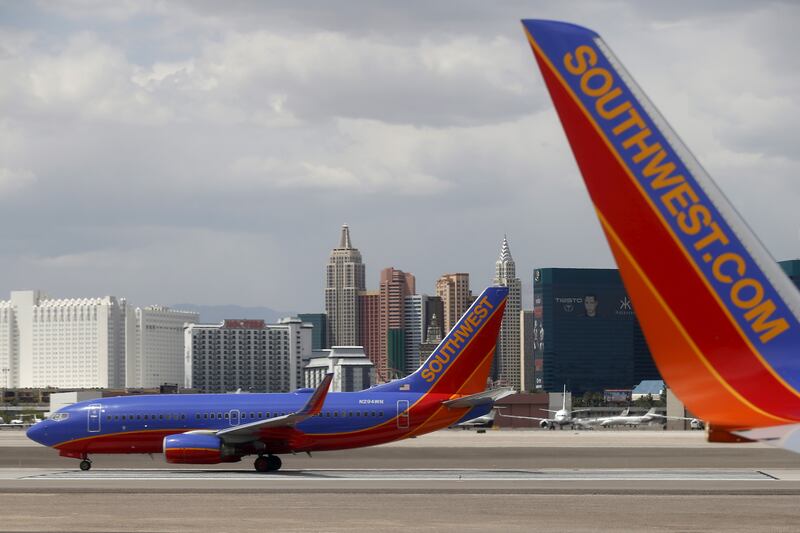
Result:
[[21, 422], [485, 421], [562, 417], [721, 318], [222, 428], [626, 419]]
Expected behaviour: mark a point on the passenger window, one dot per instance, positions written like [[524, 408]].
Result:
[[123, 417], [116, 417], [252, 415], [351, 413], [205, 415], [336, 413], [138, 417], [259, 415], [219, 415], [161, 417], [197, 416], [145, 417], [266, 415], [108, 417], [358, 413], [226, 416]]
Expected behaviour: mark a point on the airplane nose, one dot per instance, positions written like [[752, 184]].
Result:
[[37, 432]]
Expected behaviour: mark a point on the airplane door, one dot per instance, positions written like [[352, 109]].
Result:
[[93, 419], [234, 417], [402, 414]]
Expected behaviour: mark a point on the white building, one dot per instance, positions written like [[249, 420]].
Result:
[[508, 357], [352, 369], [246, 354], [155, 350], [66, 343]]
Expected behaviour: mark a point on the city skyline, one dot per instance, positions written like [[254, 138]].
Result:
[[204, 153]]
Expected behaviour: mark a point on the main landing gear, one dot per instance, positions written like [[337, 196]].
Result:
[[270, 463]]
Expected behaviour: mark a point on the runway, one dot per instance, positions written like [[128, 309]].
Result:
[[448, 481]]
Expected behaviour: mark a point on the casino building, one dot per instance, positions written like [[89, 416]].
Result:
[[586, 335]]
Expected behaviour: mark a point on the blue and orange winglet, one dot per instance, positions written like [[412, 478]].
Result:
[[314, 404], [720, 317]]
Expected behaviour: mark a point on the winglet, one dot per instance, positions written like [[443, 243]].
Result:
[[314, 404], [720, 317], [312, 408]]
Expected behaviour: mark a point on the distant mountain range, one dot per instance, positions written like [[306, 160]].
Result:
[[214, 314]]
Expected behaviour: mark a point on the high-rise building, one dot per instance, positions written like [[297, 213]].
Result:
[[433, 336], [247, 354], [154, 346], [454, 291], [434, 307], [395, 286], [507, 358], [319, 336], [527, 338], [344, 280], [415, 329], [67, 343], [588, 335], [369, 330]]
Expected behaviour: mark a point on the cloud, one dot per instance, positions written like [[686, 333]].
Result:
[[14, 180], [155, 148]]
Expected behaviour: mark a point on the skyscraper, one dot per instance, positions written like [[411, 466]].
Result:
[[415, 329], [454, 291], [508, 357], [344, 280], [395, 286], [369, 330]]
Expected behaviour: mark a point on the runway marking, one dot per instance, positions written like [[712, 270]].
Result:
[[408, 475]]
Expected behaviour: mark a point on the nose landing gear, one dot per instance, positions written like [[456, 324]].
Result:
[[270, 463], [86, 464]]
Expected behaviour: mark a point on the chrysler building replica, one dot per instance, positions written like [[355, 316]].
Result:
[[508, 356]]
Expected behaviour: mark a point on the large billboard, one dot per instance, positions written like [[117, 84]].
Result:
[[596, 303]]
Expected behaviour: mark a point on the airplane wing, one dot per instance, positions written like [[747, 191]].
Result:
[[253, 429], [786, 436], [481, 398]]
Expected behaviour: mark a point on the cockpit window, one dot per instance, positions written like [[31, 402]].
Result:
[[58, 417]]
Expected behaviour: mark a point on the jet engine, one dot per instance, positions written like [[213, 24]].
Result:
[[194, 448], [545, 424]]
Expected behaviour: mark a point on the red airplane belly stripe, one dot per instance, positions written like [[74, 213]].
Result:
[[646, 237]]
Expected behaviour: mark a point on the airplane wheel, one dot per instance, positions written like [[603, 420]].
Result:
[[274, 463], [86, 464], [261, 464]]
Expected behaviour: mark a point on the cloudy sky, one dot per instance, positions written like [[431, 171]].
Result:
[[208, 151]]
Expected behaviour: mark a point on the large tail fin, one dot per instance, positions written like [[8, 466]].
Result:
[[461, 362], [720, 317]]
